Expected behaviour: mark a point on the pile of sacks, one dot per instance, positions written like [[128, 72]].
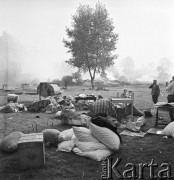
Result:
[[97, 142]]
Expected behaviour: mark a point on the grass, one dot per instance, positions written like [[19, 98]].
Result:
[[60, 165]]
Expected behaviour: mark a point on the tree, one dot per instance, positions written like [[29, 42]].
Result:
[[67, 80], [77, 77], [91, 40]]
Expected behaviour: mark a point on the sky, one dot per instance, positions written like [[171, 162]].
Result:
[[145, 29]]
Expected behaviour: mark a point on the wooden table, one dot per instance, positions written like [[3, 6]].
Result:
[[85, 98], [162, 108], [124, 101]]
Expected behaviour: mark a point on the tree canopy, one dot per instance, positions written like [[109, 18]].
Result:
[[92, 40]]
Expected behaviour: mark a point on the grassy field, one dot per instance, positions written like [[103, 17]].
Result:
[[61, 165]]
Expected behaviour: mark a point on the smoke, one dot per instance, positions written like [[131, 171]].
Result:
[[10, 57], [164, 70], [129, 70]]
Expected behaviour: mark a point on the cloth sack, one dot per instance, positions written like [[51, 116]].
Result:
[[51, 136], [10, 142], [12, 97], [90, 146], [83, 134], [66, 135], [169, 130], [105, 136], [65, 146], [98, 155], [105, 122]]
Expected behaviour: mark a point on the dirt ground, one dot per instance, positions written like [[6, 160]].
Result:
[[60, 165]]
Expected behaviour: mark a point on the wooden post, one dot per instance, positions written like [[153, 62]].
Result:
[[132, 97], [40, 91]]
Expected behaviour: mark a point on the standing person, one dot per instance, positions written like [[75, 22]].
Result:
[[170, 97], [155, 91]]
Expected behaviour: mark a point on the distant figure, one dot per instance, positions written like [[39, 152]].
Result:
[[124, 94], [155, 91], [170, 97]]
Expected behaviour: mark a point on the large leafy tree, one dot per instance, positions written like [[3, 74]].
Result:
[[92, 40]]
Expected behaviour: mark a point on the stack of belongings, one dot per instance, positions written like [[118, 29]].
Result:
[[98, 142], [13, 108], [38, 106], [69, 115], [54, 105], [82, 101], [51, 104]]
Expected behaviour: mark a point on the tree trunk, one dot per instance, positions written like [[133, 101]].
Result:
[[92, 82]]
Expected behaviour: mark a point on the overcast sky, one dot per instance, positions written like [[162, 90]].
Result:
[[145, 29]]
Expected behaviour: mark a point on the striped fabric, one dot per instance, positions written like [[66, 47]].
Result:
[[103, 106]]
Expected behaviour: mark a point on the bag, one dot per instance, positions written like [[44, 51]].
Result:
[[98, 155], [66, 135], [66, 146], [10, 142], [169, 130], [106, 136], [51, 136]]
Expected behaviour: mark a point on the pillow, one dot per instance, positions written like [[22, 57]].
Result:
[[169, 130], [106, 136], [10, 142], [98, 155], [65, 135], [83, 134], [65, 146], [51, 136], [90, 146], [105, 122]]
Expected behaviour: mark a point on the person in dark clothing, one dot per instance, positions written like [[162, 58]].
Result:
[[155, 91]]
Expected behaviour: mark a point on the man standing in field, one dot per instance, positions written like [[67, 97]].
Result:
[[155, 91], [170, 97]]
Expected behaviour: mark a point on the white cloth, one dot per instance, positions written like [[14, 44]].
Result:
[[170, 88]]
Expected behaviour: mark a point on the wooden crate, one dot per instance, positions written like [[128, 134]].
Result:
[[31, 151]]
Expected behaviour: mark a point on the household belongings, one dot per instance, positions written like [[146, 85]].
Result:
[[31, 151], [12, 98], [135, 126], [103, 106], [84, 97], [38, 105], [96, 142], [13, 107], [162, 106], [73, 118], [129, 133], [48, 89], [155, 131], [10, 142]]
